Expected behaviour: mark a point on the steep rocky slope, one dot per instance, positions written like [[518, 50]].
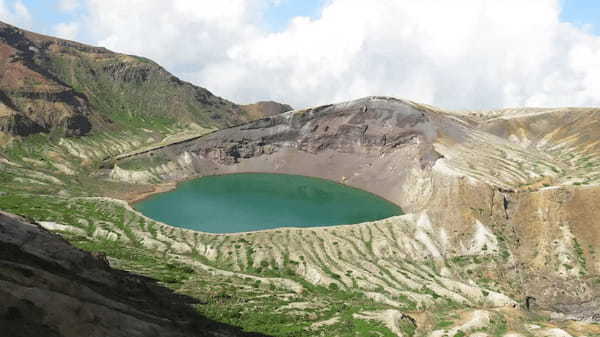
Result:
[[51, 288], [49, 84], [381, 144]]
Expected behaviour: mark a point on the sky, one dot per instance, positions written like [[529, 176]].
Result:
[[462, 54]]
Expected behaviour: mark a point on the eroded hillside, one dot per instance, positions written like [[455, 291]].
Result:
[[495, 241], [473, 187]]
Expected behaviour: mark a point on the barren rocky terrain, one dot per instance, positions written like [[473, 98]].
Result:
[[501, 188]]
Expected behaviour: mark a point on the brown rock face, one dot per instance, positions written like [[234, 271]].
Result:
[[346, 142], [50, 288], [49, 84], [33, 99]]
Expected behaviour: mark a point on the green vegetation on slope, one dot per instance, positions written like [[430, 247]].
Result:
[[237, 300], [249, 297], [64, 88]]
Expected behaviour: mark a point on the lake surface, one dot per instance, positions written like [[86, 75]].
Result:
[[254, 201]]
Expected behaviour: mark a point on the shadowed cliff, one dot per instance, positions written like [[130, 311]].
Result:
[[51, 288]]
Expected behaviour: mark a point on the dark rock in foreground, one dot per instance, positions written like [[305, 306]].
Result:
[[50, 288]]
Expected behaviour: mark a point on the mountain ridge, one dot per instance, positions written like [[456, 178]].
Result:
[[53, 84]]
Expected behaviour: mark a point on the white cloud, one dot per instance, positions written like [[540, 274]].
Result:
[[179, 34], [68, 5], [66, 30], [467, 54], [15, 13]]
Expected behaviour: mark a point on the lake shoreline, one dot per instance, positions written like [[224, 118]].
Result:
[[134, 197]]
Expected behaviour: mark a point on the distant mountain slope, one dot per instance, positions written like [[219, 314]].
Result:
[[53, 85], [265, 108]]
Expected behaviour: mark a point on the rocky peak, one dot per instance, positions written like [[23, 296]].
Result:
[[50, 84]]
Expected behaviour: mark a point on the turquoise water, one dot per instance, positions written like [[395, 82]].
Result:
[[254, 201]]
